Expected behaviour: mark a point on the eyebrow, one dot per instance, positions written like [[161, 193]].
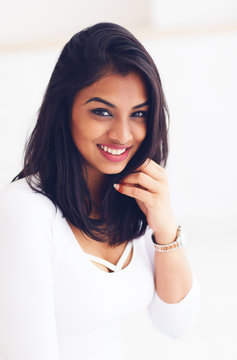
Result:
[[98, 99]]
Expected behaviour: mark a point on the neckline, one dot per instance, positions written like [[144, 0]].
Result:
[[89, 263], [121, 261]]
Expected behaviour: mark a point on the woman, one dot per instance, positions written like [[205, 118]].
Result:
[[88, 236]]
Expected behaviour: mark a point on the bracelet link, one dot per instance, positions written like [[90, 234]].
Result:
[[176, 244]]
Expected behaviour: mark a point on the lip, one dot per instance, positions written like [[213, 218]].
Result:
[[115, 158]]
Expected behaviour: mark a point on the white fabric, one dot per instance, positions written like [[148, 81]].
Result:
[[55, 304], [120, 262]]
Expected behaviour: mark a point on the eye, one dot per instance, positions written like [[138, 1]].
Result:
[[139, 114], [101, 112]]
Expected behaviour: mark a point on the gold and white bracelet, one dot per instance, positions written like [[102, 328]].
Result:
[[176, 244]]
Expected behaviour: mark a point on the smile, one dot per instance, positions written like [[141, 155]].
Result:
[[116, 154], [112, 151]]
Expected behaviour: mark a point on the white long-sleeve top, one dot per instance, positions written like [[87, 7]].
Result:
[[55, 304]]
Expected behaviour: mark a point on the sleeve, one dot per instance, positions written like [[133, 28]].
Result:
[[27, 314], [173, 320]]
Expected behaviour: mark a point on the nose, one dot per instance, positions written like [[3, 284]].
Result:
[[120, 131]]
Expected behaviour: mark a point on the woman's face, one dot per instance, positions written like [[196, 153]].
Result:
[[109, 122]]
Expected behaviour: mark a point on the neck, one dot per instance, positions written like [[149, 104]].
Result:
[[95, 182]]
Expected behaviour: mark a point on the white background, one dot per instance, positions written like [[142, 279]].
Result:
[[195, 48]]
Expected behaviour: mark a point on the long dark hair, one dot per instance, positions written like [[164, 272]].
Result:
[[50, 153]]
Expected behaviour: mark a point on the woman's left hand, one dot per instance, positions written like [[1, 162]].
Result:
[[149, 186]]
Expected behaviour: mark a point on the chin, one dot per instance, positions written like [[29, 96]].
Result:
[[111, 171]]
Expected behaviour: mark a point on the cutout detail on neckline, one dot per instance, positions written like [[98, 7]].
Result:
[[108, 264]]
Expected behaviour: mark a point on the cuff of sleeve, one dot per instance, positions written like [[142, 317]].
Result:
[[175, 320]]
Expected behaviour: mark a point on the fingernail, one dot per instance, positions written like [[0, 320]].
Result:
[[116, 186]]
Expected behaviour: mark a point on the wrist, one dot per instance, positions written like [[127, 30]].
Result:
[[177, 243], [165, 237]]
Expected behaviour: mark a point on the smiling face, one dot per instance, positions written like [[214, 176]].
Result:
[[109, 122]]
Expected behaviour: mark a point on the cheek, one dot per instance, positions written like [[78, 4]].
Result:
[[80, 130], [87, 132], [79, 134], [75, 132], [141, 132]]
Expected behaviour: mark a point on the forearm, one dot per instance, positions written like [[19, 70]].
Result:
[[173, 275], [149, 186]]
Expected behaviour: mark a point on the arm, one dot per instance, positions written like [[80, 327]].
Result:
[[173, 319], [27, 326], [174, 304]]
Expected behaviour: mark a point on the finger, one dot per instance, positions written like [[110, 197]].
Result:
[[152, 169], [150, 162], [135, 192], [143, 180]]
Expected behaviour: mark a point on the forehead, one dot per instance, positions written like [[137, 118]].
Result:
[[117, 89]]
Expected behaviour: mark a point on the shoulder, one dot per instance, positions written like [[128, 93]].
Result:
[[19, 197]]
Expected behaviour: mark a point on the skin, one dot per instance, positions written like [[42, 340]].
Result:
[[149, 186], [121, 124], [118, 125]]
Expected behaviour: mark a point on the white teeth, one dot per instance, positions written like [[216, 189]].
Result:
[[113, 151]]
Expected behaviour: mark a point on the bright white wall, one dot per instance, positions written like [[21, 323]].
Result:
[[24, 76], [33, 23], [198, 71], [199, 77], [167, 15]]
